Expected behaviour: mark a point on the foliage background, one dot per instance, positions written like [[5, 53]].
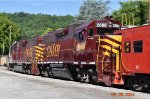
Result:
[[137, 9], [5, 25], [32, 25]]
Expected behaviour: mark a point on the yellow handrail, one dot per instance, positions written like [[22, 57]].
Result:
[[98, 53]]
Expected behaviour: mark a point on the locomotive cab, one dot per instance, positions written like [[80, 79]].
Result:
[[97, 44], [108, 53]]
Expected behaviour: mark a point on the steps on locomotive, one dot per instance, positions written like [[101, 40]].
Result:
[[100, 57]]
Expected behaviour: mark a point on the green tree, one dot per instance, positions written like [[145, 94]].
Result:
[[59, 29], [32, 25], [48, 30], [132, 12], [92, 9], [9, 33]]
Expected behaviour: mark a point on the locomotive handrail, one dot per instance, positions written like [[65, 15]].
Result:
[[97, 60]]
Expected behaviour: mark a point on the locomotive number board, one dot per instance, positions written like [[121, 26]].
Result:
[[107, 25]]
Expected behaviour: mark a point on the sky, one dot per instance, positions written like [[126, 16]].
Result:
[[52, 7]]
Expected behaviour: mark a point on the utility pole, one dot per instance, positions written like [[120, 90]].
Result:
[[149, 11], [10, 36], [3, 49]]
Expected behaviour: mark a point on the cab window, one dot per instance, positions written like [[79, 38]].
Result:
[[138, 46], [91, 32], [79, 36]]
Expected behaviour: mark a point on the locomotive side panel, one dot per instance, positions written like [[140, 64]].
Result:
[[60, 51]]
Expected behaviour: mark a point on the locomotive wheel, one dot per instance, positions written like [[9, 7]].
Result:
[[77, 70], [13, 69], [24, 68], [45, 72], [85, 77], [37, 72], [147, 87], [92, 77], [132, 84], [29, 71], [136, 84], [9, 68], [50, 73]]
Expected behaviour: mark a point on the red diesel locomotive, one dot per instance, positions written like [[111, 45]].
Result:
[[78, 52], [90, 52]]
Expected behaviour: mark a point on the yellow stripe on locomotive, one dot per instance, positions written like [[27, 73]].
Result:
[[112, 43]]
